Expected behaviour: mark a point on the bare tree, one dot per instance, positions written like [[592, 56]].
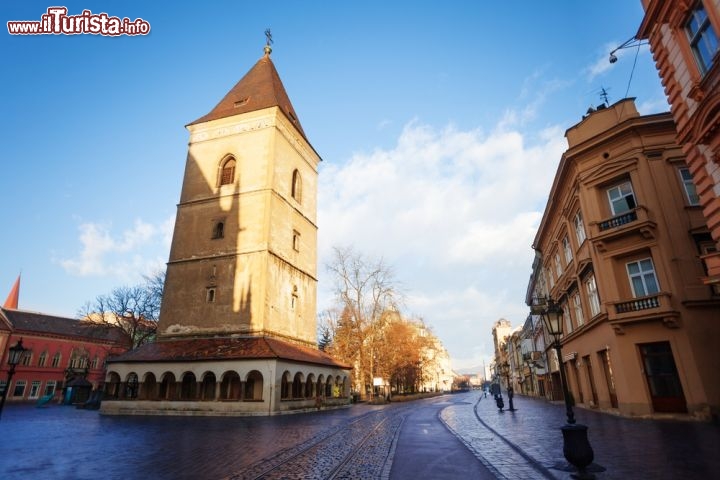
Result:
[[134, 311], [365, 291]]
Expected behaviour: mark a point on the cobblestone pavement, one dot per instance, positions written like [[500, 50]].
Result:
[[527, 443], [358, 449], [362, 442]]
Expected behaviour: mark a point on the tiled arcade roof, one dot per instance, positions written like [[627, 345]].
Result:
[[226, 348]]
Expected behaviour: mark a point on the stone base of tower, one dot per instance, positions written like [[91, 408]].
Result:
[[224, 377]]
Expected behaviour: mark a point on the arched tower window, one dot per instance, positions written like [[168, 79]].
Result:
[[227, 172], [296, 186], [219, 230]]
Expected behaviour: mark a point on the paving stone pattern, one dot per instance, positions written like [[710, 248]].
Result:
[[624, 447], [354, 443]]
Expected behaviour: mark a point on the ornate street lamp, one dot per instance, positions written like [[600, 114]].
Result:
[[506, 372], [15, 354], [576, 447]]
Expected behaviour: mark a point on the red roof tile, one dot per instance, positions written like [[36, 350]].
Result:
[[260, 88], [226, 348]]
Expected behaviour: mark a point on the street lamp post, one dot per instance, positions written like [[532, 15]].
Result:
[[506, 372], [576, 446], [14, 356]]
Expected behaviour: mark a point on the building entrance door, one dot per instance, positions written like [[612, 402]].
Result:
[[591, 379], [609, 379], [662, 378]]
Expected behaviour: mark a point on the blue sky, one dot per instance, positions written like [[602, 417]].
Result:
[[440, 125]]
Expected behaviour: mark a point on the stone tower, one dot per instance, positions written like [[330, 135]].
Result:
[[243, 257], [237, 329]]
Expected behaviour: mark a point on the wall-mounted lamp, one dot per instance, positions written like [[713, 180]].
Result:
[[629, 43]]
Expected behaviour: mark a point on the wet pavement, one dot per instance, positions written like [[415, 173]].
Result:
[[453, 436]]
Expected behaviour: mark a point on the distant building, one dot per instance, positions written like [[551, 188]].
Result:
[[619, 248], [237, 328], [683, 37], [500, 332], [64, 357]]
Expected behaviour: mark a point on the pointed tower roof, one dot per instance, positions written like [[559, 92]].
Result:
[[260, 88], [14, 296]]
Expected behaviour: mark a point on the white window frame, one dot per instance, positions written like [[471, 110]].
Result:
[[702, 37], [689, 186], [593, 295], [579, 228], [34, 389], [577, 306], [618, 194], [567, 249], [551, 277], [568, 318], [19, 383], [558, 265], [645, 273], [50, 384]]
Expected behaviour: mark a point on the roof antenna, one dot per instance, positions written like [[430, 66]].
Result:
[[604, 96], [268, 42]]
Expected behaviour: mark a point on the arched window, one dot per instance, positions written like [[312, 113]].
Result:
[[188, 387], [296, 186], [208, 387], [227, 173], [297, 386], [230, 386], [219, 230], [254, 386], [285, 386], [131, 386]]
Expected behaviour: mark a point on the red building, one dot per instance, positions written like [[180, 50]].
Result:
[[63, 357]]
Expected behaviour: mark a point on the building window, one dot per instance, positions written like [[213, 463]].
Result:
[[49, 387], [78, 361], [558, 265], [26, 358], [703, 39], [35, 389], [642, 278], [593, 296], [218, 230], [227, 173], [19, 390], [579, 228], [577, 307], [622, 198], [56, 360], [567, 250], [294, 298], [42, 359], [551, 278], [3, 386], [296, 241], [296, 186], [94, 363], [568, 319], [210, 295], [689, 186]]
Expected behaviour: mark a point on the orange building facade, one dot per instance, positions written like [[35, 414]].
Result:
[[683, 37], [619, 248]]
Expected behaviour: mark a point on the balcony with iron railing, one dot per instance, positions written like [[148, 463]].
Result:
[[638, 221], [657, 307]]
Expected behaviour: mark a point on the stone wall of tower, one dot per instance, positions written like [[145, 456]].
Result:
[[263, 269]]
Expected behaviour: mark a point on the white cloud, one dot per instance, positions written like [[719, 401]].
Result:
[[136, 251], [455, 213], [602, 63]]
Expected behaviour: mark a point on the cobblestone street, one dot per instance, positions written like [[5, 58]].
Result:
[[359, 442]]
